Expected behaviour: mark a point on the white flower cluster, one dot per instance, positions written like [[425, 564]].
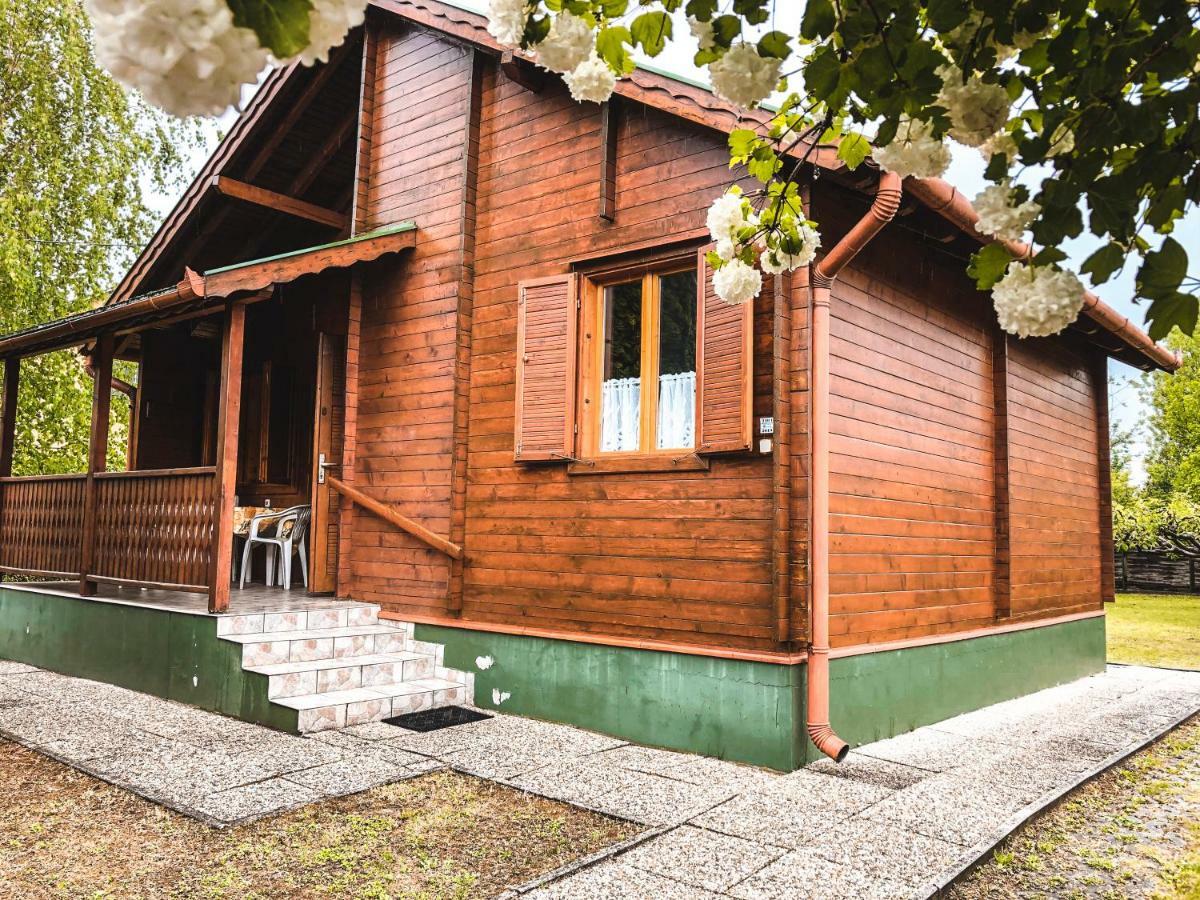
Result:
[[568, 44], [977, 108], [744, 77], [703, 33], [777, 260], [1000, 216], [736, 282], [727, 216], [185, 56], [506, 20], [329, 22], [591, 80], [189, 58], [1036, 301], [914, 151]]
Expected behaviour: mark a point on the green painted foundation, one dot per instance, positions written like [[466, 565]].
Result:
[[160, 652], [754, 712]]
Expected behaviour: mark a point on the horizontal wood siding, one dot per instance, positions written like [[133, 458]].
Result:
[[1054, 479], [404, 429], [911, 486], [665, 555]]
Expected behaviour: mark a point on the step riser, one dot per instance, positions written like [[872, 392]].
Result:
[[320, 681], [342, 715], [267, 651], [302, 620]]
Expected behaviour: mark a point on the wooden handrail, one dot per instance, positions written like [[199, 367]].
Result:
[[420, 532], [159, 473]]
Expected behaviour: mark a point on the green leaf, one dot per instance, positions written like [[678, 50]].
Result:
[[725, 29], [281, 25], [1162, 271], [774, 45], [741, 142], [612, 44], [703, 10], [651, 31], [1177, 310], [1101, 264], [822, 72], [988, 265], [819, 20], [853, 148], [1047, 256]]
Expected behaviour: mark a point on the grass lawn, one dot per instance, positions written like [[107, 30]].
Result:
[[1155, 630], [1133, 832], [64, 834]]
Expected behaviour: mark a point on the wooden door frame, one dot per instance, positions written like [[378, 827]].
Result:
[[321, 582]]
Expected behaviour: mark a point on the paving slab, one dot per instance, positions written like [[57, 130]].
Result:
[[890, 821]]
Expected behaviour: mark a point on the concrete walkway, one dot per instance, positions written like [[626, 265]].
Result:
[[894, 820]]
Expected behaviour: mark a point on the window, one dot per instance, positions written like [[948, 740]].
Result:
[[633, 368], [641, 393]]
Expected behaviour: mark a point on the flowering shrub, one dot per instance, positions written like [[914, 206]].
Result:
[[1098, 99]]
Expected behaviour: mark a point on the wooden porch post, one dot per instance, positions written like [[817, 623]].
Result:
[[8, 415], [97, 460], [230, 406]]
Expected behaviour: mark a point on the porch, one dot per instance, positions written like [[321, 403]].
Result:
[[239, 400]]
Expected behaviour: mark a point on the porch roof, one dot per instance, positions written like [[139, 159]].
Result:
[[196, 291]]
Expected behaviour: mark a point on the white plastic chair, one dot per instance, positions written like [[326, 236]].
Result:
[[263, 530], [292, 542]]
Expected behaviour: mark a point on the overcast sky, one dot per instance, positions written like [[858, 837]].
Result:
[[966, 173]]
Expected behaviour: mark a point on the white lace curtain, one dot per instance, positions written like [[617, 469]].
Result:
[[621, 412]]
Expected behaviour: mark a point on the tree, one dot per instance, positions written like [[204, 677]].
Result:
[[76, 154], [1173, 464]]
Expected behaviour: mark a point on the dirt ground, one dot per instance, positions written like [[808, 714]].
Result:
[[1134, 832], [444, 835]]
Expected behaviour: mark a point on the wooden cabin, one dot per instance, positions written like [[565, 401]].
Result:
[[423, 290]]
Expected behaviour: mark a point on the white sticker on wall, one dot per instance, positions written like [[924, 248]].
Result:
[[499, 696], [483, 663]]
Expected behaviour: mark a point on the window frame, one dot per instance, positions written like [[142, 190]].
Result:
[[592, 345]]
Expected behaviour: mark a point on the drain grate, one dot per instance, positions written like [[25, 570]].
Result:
[[434, 719]]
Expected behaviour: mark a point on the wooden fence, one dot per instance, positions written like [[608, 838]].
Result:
[[1156, 571], [152, 528]]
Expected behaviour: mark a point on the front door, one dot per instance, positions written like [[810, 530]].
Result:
[[329, 419]]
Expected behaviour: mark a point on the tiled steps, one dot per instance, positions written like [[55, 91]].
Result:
[[342, 666]]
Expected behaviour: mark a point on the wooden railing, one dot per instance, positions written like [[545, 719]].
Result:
[[155, 527], [404, 523], [152, 528], [41, 521]]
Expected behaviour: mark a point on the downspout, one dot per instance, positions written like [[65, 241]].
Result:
[[821, 278]]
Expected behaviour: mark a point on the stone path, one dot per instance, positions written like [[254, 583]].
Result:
[[892, 821]]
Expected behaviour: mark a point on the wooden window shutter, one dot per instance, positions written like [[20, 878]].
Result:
[[546, 355], [725, 362]]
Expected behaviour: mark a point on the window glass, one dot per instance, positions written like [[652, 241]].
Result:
[[620, 405], [676, 422]]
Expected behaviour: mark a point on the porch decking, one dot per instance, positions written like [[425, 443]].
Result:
[[286, 659], [250, 600]]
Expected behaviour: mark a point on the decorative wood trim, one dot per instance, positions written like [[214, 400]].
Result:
[[97, 461], [1108, 573], [650, 252], [781, 462], [344, 585], [464, 318], [612, 463], [366, 128], [277, 202], [404, 523], [8, 414], [609, 125], [1002, 558], [233, 340]]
